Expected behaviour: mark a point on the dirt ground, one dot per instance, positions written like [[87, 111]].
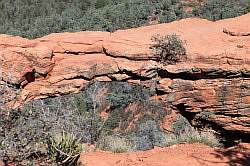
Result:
[[177, 155]]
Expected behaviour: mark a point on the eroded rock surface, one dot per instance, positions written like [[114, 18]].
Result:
[[185, 154], [213, 83]]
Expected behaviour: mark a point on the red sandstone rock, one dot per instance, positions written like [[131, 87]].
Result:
[[213, 82], [177, 155]]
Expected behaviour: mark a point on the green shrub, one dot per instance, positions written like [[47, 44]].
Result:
[[181, 125], [101, 3], [20, 139], [185, 133], [145, 137], [219, 9], [64, 149], [169, 49], [162, 139], [148, 135], [171, 10], [194, 136]]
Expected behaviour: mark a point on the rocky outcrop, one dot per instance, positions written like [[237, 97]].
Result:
[[213, 83]]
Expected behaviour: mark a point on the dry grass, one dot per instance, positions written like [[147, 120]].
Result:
[[194, 136], [116, 144]]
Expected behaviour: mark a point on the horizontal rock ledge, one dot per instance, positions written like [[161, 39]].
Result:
[[214, 79]]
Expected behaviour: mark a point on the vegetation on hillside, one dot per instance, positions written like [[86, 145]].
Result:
[[61, 122], [36, 18], [169, 49], [53, 130], [220, 9]]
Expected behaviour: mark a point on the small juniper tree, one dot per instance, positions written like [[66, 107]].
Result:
[[169, 49]]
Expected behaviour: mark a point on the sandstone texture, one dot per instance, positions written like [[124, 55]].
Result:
[[177, 155], [212, 84]]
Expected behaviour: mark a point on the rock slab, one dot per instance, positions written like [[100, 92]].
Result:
[[213, 83]]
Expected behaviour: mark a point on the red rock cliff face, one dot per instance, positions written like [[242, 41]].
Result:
[[213, 83]]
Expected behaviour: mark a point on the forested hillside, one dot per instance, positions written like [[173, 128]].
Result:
[[35, 18]]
